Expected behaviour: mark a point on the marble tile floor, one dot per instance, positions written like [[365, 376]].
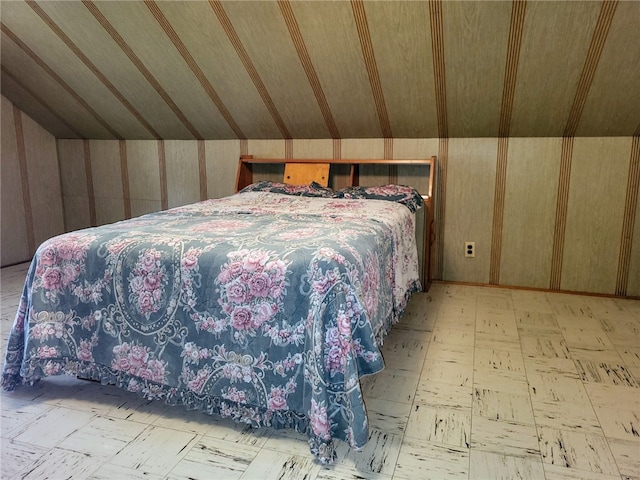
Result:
[[480, 383]]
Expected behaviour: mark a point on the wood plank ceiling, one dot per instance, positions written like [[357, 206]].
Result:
[[307, 69]]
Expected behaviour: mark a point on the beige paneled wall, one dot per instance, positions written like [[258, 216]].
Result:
[[31, 195], [597, 182], [590, 255], [533, 166], [595, 213], [469, 208]]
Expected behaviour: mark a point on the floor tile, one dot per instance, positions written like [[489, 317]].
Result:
[[505, 438], [613, 396], [387, 416], [109, 471], [453, 336], [607, 308], [529, 301], [102, 437], [627, 456], [212, 458], [452, 373], [485, 465], [404, 350], [498, 405], [499, 300], [556, 388], [15, 413], [500, 324], [343, 473], [442, 395], [396, 385], [570, 322], [288, 441], [560, 472], [564, 367], [440, 352], [156, 450], [457, 310], [440, 425], [378, 456], [620, 424], [609, 373], [587, 338], [501, 380], [544, 346], [490, 341], [630, 355], [569, 305], [539, 322], [62, 464], [239, 433], [576, 450], [499, 360], [16, 457], [579, 417], [431, 461], [52, 427], [270, 465]]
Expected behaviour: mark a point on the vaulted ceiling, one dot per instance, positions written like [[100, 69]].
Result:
[[330, 69]]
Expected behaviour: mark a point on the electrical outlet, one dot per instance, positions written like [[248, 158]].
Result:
[[469, 249]]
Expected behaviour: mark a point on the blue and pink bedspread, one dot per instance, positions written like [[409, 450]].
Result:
[[262, 307]]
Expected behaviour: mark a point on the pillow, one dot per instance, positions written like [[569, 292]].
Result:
[[312, 190], [407, 196]]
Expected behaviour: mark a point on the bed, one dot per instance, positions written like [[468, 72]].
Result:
[[266, 306]]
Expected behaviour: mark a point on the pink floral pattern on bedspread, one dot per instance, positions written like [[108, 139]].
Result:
[[260, 307]]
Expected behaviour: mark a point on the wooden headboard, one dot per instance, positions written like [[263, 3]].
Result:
[[248, 165]]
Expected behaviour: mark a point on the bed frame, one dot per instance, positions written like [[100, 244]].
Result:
[[303, 171]]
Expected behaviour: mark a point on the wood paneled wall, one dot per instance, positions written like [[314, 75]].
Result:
[[31, 194], [568, 208]]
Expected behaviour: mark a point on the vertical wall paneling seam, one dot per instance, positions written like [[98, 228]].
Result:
[[40, 100], [244, 146], [607, 11], [128, 51], [202, 169], [195, 68], [288, 148], [307, 64], [7, 31], [162, 165], [388, 155], [337, 149], [91, 66], [24, 180], [560, 224], [440, 85], [362, 26], [64, 204], [439, 77], [439, 209], [629, 219], [498, 210], [124, 173], [88, 173], [224, 20], [518, 10]]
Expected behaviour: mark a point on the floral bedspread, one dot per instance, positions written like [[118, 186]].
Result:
[[261, 307]]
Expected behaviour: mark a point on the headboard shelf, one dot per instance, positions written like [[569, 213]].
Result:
[[245, 177], [245, 170]]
